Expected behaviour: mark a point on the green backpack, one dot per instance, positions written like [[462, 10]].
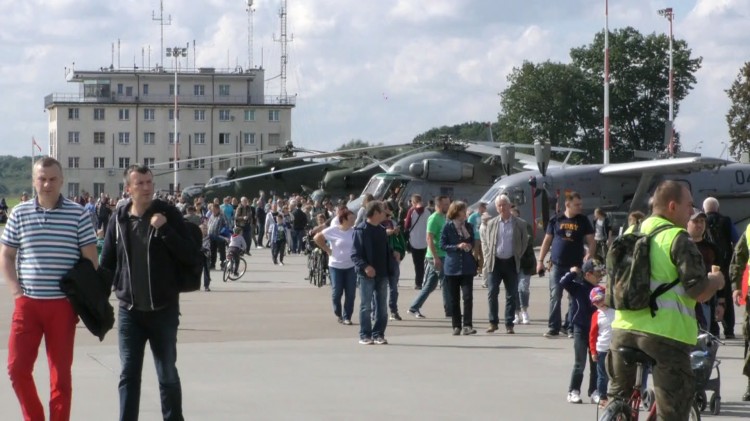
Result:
[[629, 272]]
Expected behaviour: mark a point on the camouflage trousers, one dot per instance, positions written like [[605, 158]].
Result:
[[674, 383], [746, 333]]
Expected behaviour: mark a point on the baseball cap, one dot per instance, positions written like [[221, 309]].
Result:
[[597, 295], [697, 213], [592, 265]]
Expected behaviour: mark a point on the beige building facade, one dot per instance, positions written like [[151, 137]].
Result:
[[123, 117]]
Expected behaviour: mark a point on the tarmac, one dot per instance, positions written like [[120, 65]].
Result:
[[268, 347]]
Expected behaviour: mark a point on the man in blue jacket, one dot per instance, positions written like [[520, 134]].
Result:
[[145, 244], [374, 262]]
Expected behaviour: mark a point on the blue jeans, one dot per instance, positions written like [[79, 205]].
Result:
[[601, 374], [504, 271], [297, 236], [159, 328], [431, 279], [524, 291], [555, 297], [368, 287], [343, 282], [206, 270], [393, 289], [581, 354]]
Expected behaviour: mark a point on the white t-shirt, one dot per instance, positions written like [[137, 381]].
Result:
[[342, 245]]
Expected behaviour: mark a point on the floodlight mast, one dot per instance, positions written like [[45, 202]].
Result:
[[669, 14]]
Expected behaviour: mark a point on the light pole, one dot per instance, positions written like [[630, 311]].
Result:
[[669, 14], [176, 52]]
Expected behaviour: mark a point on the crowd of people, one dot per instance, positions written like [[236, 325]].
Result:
[[449, 247]]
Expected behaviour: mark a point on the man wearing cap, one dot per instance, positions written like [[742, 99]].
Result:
[[696, 228], [669, 335]]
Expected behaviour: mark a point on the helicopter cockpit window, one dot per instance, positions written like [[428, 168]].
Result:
[[517, 196], [490, 196]]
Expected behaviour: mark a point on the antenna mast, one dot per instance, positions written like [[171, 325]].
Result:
[[162, 23], [250, 13], [284, 41]]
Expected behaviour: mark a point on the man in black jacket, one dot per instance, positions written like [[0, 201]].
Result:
[[145, 243], [298, 227]]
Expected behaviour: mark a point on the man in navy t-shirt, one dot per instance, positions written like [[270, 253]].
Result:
[[567, 233]]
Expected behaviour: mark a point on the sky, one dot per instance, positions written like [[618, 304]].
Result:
[[379, 71]]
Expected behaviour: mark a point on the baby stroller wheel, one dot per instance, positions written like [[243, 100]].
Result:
[[701, 400], [715, 404]]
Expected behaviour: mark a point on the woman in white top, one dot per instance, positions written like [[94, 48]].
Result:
[[340, 265]]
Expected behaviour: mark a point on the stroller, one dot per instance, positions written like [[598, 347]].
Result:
[[703, 362]]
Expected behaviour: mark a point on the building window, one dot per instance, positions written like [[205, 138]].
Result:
[[199, 163], [200, 115], [98, 162], [123, 162], [171, 114], [171, 138], [145, 89], [124, 114], [224, 163], [224, 115], [223, 90], [73, 189], [149, 162], [98, 138], [223, 139], [199, 90], [149, 114], [123, 138], [200, 138], [249, 138], [129, 91], [74, 137], [273, 115], [149, 138], [73, 113], [119, 88], [171, 164], [249, 115], [171, 89], [249, 161], [73, 162], [98, 113], [98, 189], [274, 139]]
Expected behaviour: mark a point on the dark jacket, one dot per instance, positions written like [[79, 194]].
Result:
[[581, 308], [363, 251], [457, 262], [300, 220], [88, 291], [168, 247]]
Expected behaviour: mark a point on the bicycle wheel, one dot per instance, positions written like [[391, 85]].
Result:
[[617, 410], [241, 268], [695, 413], [227, 271]]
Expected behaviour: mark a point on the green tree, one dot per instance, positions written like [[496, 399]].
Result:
[[473, 131], [354, 144], [738, 116], [563, 103]]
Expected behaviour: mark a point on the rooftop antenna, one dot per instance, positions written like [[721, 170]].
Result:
[[250, 13], [162, 23], [118, 53], [283, 41]]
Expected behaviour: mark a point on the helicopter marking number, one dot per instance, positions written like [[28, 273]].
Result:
[[741, 177]]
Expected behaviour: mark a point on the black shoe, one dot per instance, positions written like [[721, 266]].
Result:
[[418, 287], [746, 396], [551, 333], [456, 331], [564, 331]]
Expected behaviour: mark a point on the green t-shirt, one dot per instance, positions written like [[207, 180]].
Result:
[[435, 226]]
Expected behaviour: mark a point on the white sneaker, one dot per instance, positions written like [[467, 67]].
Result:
[[574, 396], [524, 318], [595, 397], [517, 319]]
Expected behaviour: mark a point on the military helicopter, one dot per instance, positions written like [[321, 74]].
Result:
[[622, 187], [292, 170], [460, 169]]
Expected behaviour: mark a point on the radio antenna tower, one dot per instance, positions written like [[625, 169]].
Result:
[[250, 13], [162, 24], [284, 41]]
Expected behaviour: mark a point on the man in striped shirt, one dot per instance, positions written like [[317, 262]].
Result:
[[46, 236]]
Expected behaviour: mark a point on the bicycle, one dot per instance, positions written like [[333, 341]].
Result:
[[229, 270], [317, 266], [620, 409]]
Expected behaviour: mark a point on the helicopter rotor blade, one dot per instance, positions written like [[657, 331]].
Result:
[[391, 158], [250, 177], [345, 153], [213, 157]]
